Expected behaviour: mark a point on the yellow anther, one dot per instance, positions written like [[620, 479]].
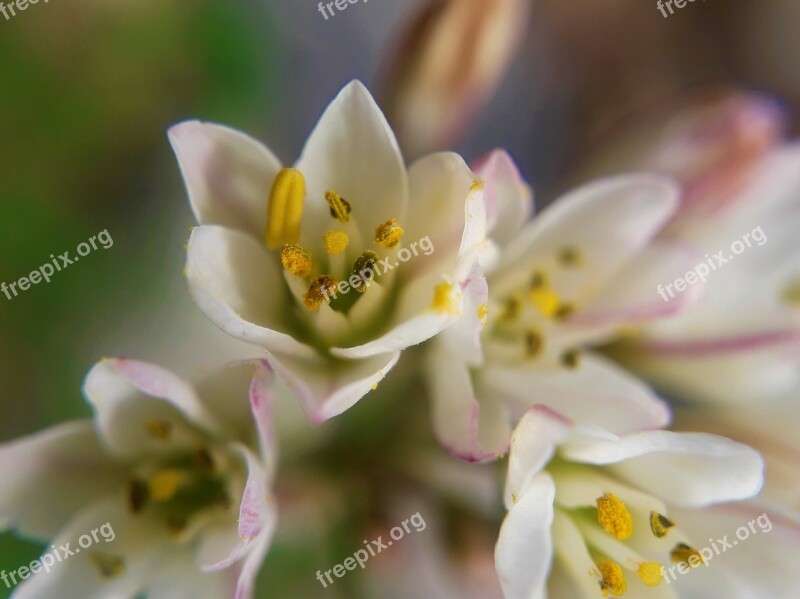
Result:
[[340, 208], [650, 573], [660, 524], [319, 291], [614, 516], [534, 343], [571, 359], [388, 234], [285, 210], [158, 429], [613, 582], [546, 300], [512, 308], [570, 256], [483, 314], [477, 185], [684, 553], [365, 269], [564, 312], [443, 300], [296, 260], [109, 566], [163, 485], [539, 279], [335, 242]]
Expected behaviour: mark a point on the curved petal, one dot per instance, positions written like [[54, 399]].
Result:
[[143, 409], [239, 286], [353, 152], [463, 338], [228, 175], [597, 391], [524, 550], [685, 469], [49, 476], [326, 389], [473, 429]]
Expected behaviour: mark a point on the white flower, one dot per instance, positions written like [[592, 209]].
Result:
[[575, 276], [592, 514], [273, 242], [170, 467]]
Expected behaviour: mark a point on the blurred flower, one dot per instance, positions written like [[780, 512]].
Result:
[[171, 468], [272, 273], [447, 65], [593, 514], [574, 277]]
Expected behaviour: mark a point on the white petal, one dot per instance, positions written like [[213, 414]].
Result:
[[524, 550], [597, 391], [353, 152], [179, 578], [228, 175], [509, 199], [47, 477], [463, 338], [326, 389], [239, 286], [471, 428], [685, 469]]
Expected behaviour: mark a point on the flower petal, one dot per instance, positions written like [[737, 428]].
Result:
[[239, 286], [49, 476], [228, 175]]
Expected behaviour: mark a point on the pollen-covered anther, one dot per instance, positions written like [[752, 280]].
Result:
[[684, 553], [539, 280], [571, 359], [482, 313], [534, 343], [285, 209], [564, 312], [364, 269], [296, 260], [570, 256], [388, 234], [512, 308], [158, 429], [443, 300], [650, 573], [660, 524], [613, 582], [109, 566], [164, 484], [477, 185], [340, 208], [319, 291], [546, 301], [335, 242], [614, 517]]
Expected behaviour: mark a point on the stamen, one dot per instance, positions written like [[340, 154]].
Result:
[[570, 256], [319, 291], [158, 429], [285, 210], [614, 516], [340, 208], [477, 185], [650, 573], [137, 495], [571, 359], [483, 314], [546, 300], [365, 262], [388, 234], [296, 260], [335, 242], [512, 308], [613, 582], [564, 312], [683, 552], [660, 524], [165, 484], [539, 279], [534, 342], [109, 566], [443, 301]]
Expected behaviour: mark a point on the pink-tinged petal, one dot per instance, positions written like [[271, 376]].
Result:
[[760, 562], [463, 338], [240, 287], [609, 221], [509, 199], [524, 550], [325, 390], [597, 391], [353, 152], [475, 429], [685, 469], [262, 401], [228, 175], [143, 409], [533, 444], [49, 476]]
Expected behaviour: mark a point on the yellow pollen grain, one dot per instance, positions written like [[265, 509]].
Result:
[[571, 359], [682, 552], [477, 185], [388, 234], [546, 300], [164, 484], [340, 208], [570, 256], [443, 301], [650, 573], [335, 242], [296, 260], [614, 517], [613, 582], [319, 291], [534, 343], [660, 524], [483, 314], [285, 208]]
